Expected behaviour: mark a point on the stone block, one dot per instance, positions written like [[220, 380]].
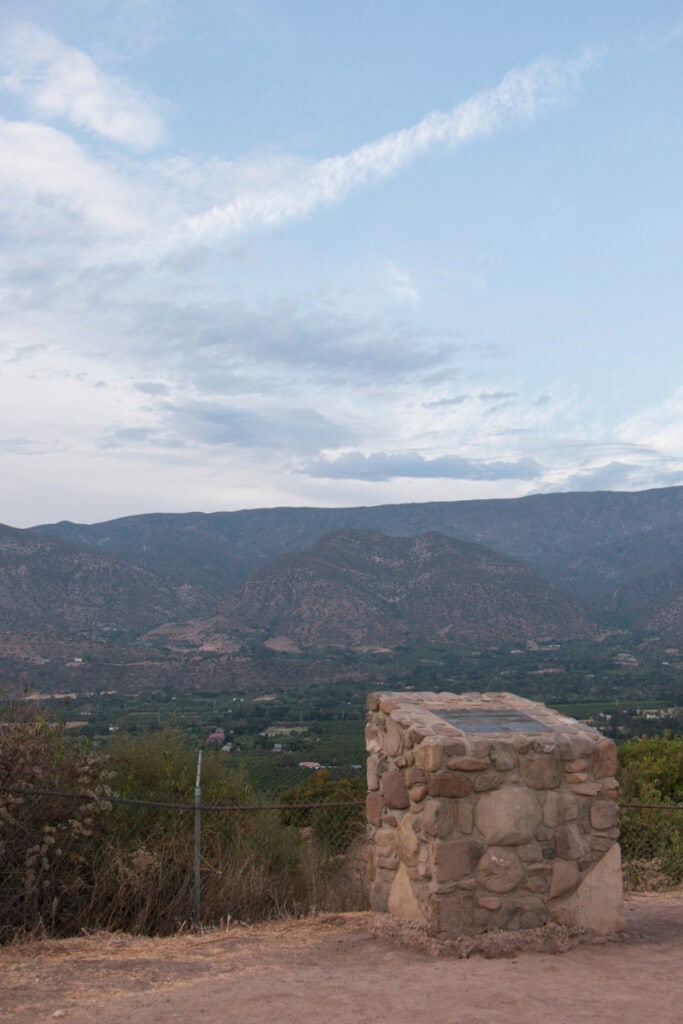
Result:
[[389, 862], [373, 771], [489, 902], [417, 793], [379, 895], [385, 841], [604, 814], [408, 843], [522, 912], [465, 816], [503, 756], [454, 859], [418, 732], [428, 755], [601, 843], [468, 764], [604, 759], [456, 747], [438, 818], [394, 789], [541, 771], [373, 808], [586, 788], [452, 914], [393, 739], [388, 704], [508, 816], [374, 739], [424, 862], [564, 877], [530, 852], [569, 842], [386, 848], [402, 900], [488, 780], [574, 745], [559, 806], [372, 863], [413, 776], [450, 785], [499, 869], [536, 884]]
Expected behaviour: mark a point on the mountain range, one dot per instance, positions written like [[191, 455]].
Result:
[[557, 566]]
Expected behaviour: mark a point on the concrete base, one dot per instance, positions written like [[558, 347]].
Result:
[[597, 902]]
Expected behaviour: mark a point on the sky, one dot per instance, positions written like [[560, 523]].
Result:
[[258, 253]]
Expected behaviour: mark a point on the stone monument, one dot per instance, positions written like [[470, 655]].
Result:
[[489, 812]]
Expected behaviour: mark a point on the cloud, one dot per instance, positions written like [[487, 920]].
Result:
[[152, 387], [660, 426], [227, 344], [388, 465], [653, 43], [401, 285], [123, 437], [444, 403], [496, 396], [41, 166], [522, 95], [59, 82], [294, 430], [20, 446], [603, 478], [302, 431]]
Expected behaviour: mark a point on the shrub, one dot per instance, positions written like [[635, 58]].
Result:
[[89, 861], [334, 828], [651, 772], [48, 844]]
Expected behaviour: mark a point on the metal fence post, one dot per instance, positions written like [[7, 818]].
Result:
[[198, 842]]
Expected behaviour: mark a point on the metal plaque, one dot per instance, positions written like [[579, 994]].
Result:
[[495, 720]]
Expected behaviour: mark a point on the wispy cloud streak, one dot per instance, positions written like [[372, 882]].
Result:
[[63, 83], [522, 95]]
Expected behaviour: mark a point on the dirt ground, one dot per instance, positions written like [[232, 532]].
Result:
[[332, 969]]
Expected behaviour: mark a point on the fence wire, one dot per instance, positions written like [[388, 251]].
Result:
[[651, 837], [72, 861]]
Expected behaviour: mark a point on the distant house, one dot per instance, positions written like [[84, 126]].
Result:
[[217, 738], [309, 764]]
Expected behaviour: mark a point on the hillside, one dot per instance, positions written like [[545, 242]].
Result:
[[360, 589], [590, 544], [49, 587], [278, 597]]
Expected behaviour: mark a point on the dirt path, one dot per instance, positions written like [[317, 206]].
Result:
[[331, 970]]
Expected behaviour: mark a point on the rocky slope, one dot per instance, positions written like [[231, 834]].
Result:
[[591, 544], [360, 589], [51, 587]]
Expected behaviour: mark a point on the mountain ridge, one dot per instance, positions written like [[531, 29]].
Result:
[[587, 543], [364, 589]]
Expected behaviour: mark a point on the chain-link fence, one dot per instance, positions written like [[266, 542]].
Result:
[[652, 845], [73, 861]]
